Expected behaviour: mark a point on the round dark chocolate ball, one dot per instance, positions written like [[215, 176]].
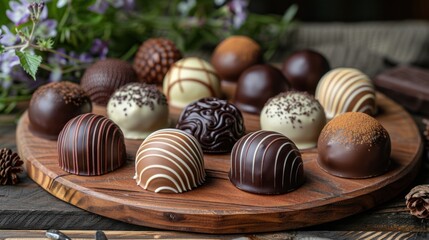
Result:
[[215, 123], [266, 162], [153, 59], [354, 145], [102, 78], [234, 55], [91, 145], [304, 69], [53, 105], [258, 84]]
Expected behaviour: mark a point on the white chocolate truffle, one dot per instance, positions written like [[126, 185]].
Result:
[[296, 115], [138, 109], [346, 90], [189, 80]]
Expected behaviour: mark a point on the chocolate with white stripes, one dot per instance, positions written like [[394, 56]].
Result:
[[266, 162]]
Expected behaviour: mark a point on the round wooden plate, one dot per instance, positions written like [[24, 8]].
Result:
[[219, 207]]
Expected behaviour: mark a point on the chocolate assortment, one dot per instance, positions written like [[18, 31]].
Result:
[[53, 105], [102, 78], [258, 84], [215, 123], [154, 58], [169, 161], [266, 162], [354, 145], [91, 145]]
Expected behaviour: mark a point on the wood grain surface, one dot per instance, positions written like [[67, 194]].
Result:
[[217, 206]]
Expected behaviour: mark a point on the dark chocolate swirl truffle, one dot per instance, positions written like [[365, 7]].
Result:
[[102, 79], [266, 162], [153, 59], [258, 84], [354, 145], [215, 123], [53, 105], [91, 145]]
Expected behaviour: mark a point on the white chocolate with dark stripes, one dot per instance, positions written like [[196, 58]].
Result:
[[189, 80], [169, 161], [266, 162], [91, 145], [346, 90]]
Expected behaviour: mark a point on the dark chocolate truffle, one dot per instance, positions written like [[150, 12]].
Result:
[[304, 69], [169, 161], [234, 55], [91, 145], [258, 84], [53, 105], [215, 123], [102, 79], [354, 145], [266, 162], [153, 59]]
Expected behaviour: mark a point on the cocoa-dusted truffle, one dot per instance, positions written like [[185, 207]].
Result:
[[258, 84], [346, 90], [169, 161], [215, 123], [354, 145], [53, 105], [138, 109], [153, 59], [91, 145], [189, 80], [102, 78], [297, 115], [304, 68], [234, 55], [266, 162]]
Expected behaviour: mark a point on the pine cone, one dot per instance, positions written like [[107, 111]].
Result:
[[154, 58], [417, 201], [10, 166]]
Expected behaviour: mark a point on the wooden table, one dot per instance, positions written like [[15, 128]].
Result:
[[27, 206]]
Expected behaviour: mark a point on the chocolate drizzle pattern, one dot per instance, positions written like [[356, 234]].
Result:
[[266, 162], [190, 79], [215, 123], [346, 90], [169, 161], [91, 145]]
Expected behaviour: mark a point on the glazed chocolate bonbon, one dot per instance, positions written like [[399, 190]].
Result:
[[169, 161], [91, 145], [53, 105], [258, 84], [266, 162], [102, 78], [153, 59], [215, 123], [138, 109], [234, 55], [354, 145], [304, 68]]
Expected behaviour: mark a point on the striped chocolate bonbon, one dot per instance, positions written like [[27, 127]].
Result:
[[266, 162], [169, 161], [346, 90], [91, 145]]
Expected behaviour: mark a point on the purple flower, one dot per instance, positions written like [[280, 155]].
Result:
[[8, 38], [20, 13], [47, 28], [57, 59], [100, 6], [239, 10], [56, 74], [8, 60], [99, 48]]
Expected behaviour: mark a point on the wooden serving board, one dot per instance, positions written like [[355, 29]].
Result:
[[219, 207]]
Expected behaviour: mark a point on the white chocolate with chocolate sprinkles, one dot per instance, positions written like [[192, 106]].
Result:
[[189, 80], [169, 161], [346, 90], [297, 115], [138, 109]]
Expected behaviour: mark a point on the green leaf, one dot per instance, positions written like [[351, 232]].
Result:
[[290, 13], [1, 49], [45, 43], [30, 63]]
